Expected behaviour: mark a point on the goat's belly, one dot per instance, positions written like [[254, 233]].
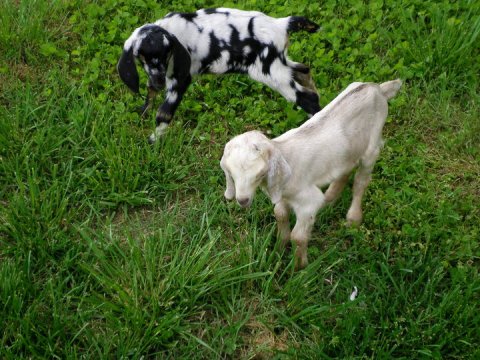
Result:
[[220, 66], [335, 173], [223, 66]]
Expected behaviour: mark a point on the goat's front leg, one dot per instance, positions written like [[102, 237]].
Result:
[[174, 94], [305, 207], [282, 213], [335, 189], [151, 93]]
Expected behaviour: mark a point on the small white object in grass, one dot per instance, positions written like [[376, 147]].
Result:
[[354, 294]]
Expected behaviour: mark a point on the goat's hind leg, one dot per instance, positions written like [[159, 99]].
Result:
[[302, 75], [335, 189], [306, 93], [360, 183], [281, 77]]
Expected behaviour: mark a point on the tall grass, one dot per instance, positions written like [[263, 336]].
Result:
[[441, 45]]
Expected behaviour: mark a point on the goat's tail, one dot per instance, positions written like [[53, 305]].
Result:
[[299, 23], [390, 88]]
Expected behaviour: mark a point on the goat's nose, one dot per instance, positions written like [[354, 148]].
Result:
[[244, 202]]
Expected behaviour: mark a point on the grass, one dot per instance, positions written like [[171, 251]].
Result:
[[110, 247]]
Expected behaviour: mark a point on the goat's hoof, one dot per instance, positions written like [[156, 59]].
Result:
[[300, 264], [228, 198], [330, 200], [354, 217], [151, 140], [351, 222], [284, 246]]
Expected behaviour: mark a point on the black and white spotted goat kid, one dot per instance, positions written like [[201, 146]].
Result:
[[216, 41]]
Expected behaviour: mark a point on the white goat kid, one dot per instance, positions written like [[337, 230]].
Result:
[[324, 150]]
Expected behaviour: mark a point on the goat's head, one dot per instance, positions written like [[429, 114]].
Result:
[[250, 160], [158, 51]]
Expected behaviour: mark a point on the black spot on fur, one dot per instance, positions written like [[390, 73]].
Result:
[[214, 53], [282, 58], [239, 60], [188, 16], [235, 48], [250, 27], [268, 60], [210, 11]]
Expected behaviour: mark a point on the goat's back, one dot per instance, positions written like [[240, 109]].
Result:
[[355, 108], [195, 30], [334, 140]]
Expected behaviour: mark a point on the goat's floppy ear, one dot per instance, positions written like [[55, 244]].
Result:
[[180, 56], [279, 173], [230, 191], [128, 71]]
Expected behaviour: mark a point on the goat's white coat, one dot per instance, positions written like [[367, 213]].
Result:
[[267, 30], [324, 150]]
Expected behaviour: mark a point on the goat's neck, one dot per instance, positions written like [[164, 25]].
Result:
[[289, 148]]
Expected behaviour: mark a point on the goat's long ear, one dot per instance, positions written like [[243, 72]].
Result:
[[230, 191], [181, 58], [128, 71], [279, 173]]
